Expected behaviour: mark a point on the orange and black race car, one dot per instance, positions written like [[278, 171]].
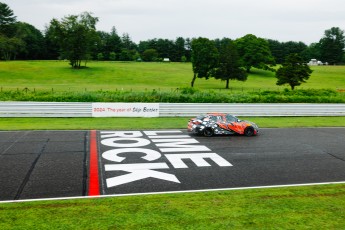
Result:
[[221, 123]]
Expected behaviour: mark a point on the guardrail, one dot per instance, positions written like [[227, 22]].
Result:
[[45, 109], [248, 110], [74, 109]]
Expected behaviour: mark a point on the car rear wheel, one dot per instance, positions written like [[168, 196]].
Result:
[[249, 131], [208, 132]]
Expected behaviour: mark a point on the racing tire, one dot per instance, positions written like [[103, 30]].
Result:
[[208, 132], [249, 131]]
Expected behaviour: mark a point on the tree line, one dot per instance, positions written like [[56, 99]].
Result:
[[227, 60], [75, 37]]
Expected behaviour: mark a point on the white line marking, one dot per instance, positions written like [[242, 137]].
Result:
[[174, 192]]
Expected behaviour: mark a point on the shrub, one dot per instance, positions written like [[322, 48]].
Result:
[[184, 95]]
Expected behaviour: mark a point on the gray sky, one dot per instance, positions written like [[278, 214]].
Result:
[[292, 20]]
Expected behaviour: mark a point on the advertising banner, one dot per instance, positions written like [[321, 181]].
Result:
[[125, 109]]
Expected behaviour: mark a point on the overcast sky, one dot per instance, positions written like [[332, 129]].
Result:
[[289, 20]]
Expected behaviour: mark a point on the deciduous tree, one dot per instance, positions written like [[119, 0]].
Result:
[[150, 55], [52, 44], [332, 46], [229, 63], [204, 58], [76, 35], [33, 39], [293, 71], [255, 52], [10, 47], [280, 50]]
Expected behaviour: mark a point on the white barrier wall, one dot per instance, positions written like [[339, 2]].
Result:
[[72, 109], [257, 109], [45, 109]]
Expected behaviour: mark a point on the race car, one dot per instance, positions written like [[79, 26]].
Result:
[[221, 123]]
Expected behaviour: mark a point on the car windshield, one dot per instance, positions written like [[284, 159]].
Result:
[[230, 118], [216, 118], [201, 117]]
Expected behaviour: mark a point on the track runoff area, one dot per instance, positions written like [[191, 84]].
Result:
[[41, 165]]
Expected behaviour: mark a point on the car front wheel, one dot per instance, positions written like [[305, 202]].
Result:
[[208, 132], [249, 131]]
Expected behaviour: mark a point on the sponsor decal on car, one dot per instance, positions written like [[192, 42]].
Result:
[[221, 124]]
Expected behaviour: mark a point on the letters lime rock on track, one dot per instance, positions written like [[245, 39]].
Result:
[[171, 146]]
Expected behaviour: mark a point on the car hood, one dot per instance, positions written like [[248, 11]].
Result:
[[251, 123]]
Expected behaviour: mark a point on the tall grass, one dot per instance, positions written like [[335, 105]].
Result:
[[184, 95]]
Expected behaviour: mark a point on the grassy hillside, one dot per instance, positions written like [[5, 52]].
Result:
[[157, 82], [45, 75]]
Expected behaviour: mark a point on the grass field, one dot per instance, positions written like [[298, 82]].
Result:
[[141, 76], [155, 123], [309, 207]]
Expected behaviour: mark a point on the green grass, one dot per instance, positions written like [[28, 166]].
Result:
[[99, 75], [155, 123], [139, 76], [157, 82], [309, 207]]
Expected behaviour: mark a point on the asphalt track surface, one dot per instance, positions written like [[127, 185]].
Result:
[[57, 164]]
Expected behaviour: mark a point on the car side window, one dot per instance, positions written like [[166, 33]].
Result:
[[213, 118], [230, 118]]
